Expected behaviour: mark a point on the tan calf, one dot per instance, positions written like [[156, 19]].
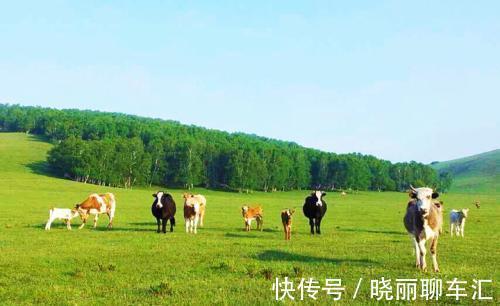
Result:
[[252, 213]]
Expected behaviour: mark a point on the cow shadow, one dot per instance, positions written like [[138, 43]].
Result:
[[143, 223], [373, 231], [233, 235], [102, 228], [121, 229], [274, 255]]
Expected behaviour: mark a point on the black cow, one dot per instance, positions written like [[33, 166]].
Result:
[[315, 208], [163, 209]]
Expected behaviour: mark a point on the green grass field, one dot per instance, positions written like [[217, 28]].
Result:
[[363, 237]]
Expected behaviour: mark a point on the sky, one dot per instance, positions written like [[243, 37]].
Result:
[[401, 80]]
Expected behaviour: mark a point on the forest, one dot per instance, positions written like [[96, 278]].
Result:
[[120, 150]]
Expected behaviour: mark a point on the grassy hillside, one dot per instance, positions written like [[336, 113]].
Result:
[[363, 237], [477, 174]]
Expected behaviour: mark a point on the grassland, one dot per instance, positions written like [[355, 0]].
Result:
[[362, 236], [474, 174]]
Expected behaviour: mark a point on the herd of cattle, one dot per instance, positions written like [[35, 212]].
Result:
[[423, 219]]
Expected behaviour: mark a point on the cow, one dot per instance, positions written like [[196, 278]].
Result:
[[96, 204], [201, 200], [64, 214], [191, 216], [477, 203], [457, 221], [252, 213], [163, 209], [423, 221], [286, 219], [315, 208]]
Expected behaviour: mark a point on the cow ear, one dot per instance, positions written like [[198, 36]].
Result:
[[324, 194], [435, 195], [412, 194], [154, 195]]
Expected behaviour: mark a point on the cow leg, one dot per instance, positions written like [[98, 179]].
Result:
[[84, 220], [49, 223], [261, 223], [434, 243], [172, 222], [96, 216], [110, 224], [318, 226], [202, 216], [195, 223], [158, 224], [451, 229], [462, 227], [68, 224], [417, 253], [311, 224], [164, 225], [285, 230], [423, 252], [187, 224]]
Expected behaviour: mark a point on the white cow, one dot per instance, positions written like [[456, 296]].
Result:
[[457, 221], [64, 214]]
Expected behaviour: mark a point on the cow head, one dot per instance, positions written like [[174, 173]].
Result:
[[465, 211], [319, 194], [74, 211], [290, 212], [423, 197], [159, 195], [244, 210]]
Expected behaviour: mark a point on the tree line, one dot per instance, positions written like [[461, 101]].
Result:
[[121, 150]]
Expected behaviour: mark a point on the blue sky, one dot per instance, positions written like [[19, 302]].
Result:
[[397, 79]]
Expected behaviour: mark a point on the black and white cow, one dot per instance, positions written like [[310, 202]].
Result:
[[163, 209], [315, 208]]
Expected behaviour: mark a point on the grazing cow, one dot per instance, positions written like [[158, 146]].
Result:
[[201, 200], [457, 221], [163, 209], [478, 204], [343, 193], [315, 208], [96, 204], [64, 214], [286, 219], [252, 213], [423, 221]]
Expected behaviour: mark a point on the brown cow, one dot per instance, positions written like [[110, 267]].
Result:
[[252, 213], [286, 219], [96, 204], [190, 199], [191, 217], [423, 221]]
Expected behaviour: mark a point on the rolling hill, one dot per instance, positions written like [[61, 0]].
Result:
[[474, 174]]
